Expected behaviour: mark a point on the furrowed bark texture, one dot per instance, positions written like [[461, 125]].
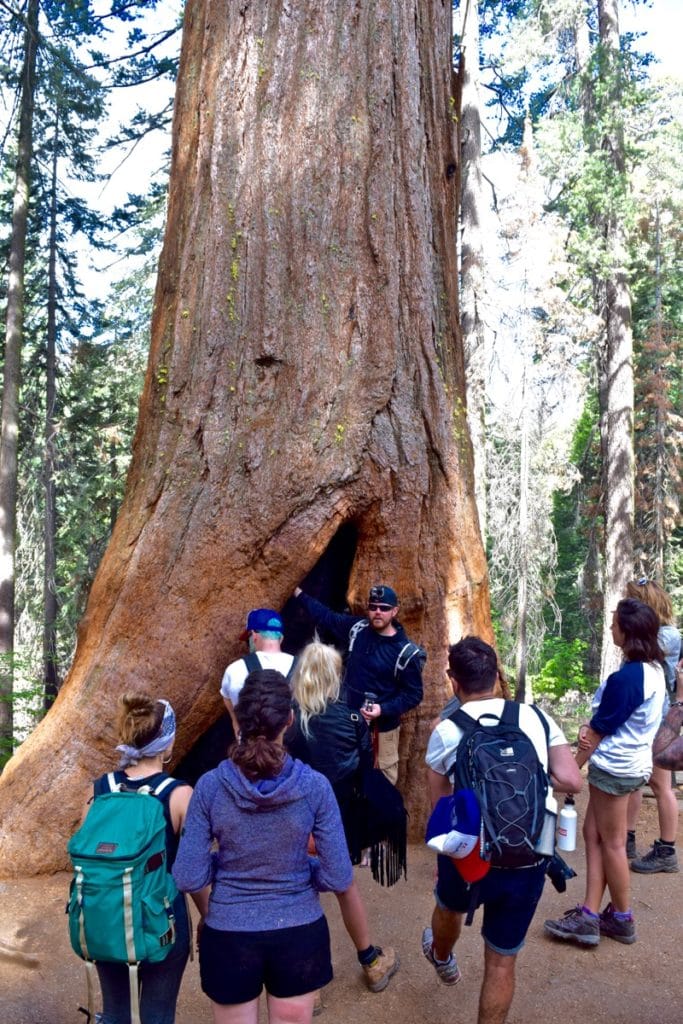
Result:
[[306, 372]]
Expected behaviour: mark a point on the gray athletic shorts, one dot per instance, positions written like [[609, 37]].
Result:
[[615, 785]]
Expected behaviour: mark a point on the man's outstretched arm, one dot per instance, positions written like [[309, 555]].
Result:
[[337, 623]]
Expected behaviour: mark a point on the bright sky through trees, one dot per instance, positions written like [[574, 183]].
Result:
[[662, 22]]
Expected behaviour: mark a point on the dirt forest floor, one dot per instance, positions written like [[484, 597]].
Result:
[[43, 982]]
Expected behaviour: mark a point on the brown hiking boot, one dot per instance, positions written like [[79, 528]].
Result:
[[383, 967]]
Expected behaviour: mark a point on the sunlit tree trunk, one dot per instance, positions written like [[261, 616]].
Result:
[[616, 358], [305, 374], [472, 251], [9, 427], [521, 650]]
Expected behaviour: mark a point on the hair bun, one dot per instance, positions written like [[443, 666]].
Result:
[[137, 704]]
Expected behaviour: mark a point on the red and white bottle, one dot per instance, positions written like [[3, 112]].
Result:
[[566, 829]]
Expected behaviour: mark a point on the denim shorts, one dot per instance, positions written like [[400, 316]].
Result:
[[615, 785], [509, 897], [236, 966]]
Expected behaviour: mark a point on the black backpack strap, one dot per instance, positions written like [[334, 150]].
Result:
[[252, 662], [473, 902], [544, 722], [510, 714], [406, 654], [467, 725], [163, 789], [356, 628], [105, 784], [464, 721]]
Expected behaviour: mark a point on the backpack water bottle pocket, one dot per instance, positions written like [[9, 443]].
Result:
[[159, 929], [74, 910]]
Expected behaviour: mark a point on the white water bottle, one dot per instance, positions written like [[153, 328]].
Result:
[[566, 832], [545, 844]]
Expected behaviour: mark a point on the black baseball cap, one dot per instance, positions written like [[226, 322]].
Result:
[[382, 594]]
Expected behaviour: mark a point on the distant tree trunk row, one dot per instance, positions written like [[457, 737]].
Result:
[[9, 428]]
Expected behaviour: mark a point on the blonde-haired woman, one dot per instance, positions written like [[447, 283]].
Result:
[[327, 734], [662, 854], [334, 740]]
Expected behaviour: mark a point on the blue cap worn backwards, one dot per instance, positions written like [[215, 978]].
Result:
[[262, 620]]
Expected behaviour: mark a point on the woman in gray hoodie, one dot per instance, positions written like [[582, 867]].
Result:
[[264, 927]]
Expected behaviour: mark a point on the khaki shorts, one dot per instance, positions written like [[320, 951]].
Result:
[[615, 785], [387, 754]]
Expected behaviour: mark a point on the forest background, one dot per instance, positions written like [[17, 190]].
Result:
[[548, 218]]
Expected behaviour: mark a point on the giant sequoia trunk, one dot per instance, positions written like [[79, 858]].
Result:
[[305, 375]]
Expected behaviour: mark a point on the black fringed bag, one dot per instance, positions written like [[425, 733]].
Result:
[[377, 821]]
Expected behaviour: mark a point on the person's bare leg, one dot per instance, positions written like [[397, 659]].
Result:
[[354, 916], [667, 804], [235, 1013], [610, 819], [446, 928], [635, 802], [297, 1010], [497, 988], [595, 872]]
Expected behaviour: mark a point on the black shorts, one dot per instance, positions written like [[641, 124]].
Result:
[[236, 966], [510, 897]]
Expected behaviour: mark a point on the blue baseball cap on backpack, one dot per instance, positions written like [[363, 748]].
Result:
[[454, 830]]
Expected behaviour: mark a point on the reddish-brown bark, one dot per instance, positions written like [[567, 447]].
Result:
[[305, 372]]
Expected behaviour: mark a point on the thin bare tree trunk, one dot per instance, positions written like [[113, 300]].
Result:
[[521, 650], [616, 365], [472, 252], [305, 374], [50, 678], [661, 426], [9, 428]]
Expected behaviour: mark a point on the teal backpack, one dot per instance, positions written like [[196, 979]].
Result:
[[121, 901]]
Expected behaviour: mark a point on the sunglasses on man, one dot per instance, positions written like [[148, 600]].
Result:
[[373, 607]]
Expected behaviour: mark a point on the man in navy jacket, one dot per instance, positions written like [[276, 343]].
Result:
[[380, 660]]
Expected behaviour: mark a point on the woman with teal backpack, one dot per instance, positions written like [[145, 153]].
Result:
[[146, 730]]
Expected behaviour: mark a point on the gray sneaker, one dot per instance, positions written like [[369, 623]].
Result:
[[575, 926], [661, 857], [615, 928], [449, 972]]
